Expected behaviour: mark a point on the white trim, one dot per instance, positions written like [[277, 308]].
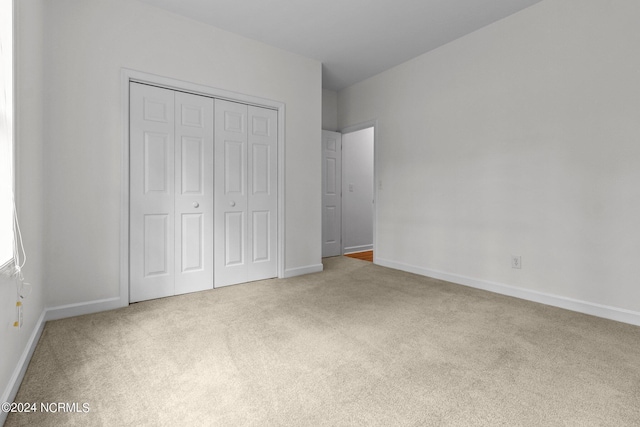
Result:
[[354, 128], [53, 313], [82, 308], [281, 190], [13, 127], [356, 249], [360, 126], [128, 76], [124, 190], [197, 89], [11, 391], [585, 307], [299, 271]]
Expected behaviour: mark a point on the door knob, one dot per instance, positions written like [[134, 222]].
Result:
[[196, 204], [232, 204]]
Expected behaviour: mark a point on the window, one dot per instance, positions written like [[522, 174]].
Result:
[[6, 132]]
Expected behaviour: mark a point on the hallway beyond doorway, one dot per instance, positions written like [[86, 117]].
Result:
[[364, 256]]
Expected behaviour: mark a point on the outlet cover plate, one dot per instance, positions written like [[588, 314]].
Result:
[[516, 261]]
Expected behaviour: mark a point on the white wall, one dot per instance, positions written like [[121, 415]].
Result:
[[29, 136], [357, 190], [522, 138], [330, 110], [87, 44]]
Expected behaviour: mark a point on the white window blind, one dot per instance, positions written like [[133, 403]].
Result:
[[6, 133]]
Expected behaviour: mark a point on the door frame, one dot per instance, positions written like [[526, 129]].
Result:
[[126, 77], [324, 181], [376, 183]]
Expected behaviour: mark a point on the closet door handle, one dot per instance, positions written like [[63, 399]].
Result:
[[232, 204], [196, 204]]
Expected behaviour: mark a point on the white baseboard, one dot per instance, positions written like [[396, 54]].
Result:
[[361, 248], [79, 309], [299, 271], [52, 313], [21, 368], [586, 307]]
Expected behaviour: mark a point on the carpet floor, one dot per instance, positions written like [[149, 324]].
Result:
[[355, 345]]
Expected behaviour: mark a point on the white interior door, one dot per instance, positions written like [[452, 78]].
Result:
[[245, 193], [331, 193], [171, 193], [193, 193], [152, 201], [230, 193], [262, 193], [179, 240]]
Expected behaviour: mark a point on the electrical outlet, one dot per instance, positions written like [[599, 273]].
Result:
[[18, 322], [516, 261]]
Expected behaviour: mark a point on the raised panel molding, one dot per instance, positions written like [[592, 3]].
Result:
[[332, 145], [261, 236], [234, 238], [156, 244], [192, 116], [260, 126], [261, 172], [331, 187], [233, 122], [331, 232], [154, 110], [234, 161], [192, 165], [192, 244], [155, 153]]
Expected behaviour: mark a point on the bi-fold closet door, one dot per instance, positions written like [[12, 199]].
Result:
[[172, 175], [171, 192], [245, 193]]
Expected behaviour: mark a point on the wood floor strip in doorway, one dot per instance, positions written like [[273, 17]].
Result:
[[365, 256]]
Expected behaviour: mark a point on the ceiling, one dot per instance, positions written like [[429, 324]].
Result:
[[354, 39]]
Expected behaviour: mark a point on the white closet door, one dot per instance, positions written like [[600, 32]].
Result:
[[231, 252], [331, 193], [262, 193], [193, 193], [246, 184], [171, 193], [152, 199], [180, 240]]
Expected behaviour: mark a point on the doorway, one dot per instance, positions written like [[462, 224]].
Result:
[[274, 252], [348, 192], [172, 219]]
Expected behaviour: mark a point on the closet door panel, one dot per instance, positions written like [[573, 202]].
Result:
[[262, 193], [194, 193], [203, 192], [152, 196], [231, 250], [331, 193]]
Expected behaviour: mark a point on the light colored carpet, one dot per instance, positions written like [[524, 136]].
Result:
[[355, 345]]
